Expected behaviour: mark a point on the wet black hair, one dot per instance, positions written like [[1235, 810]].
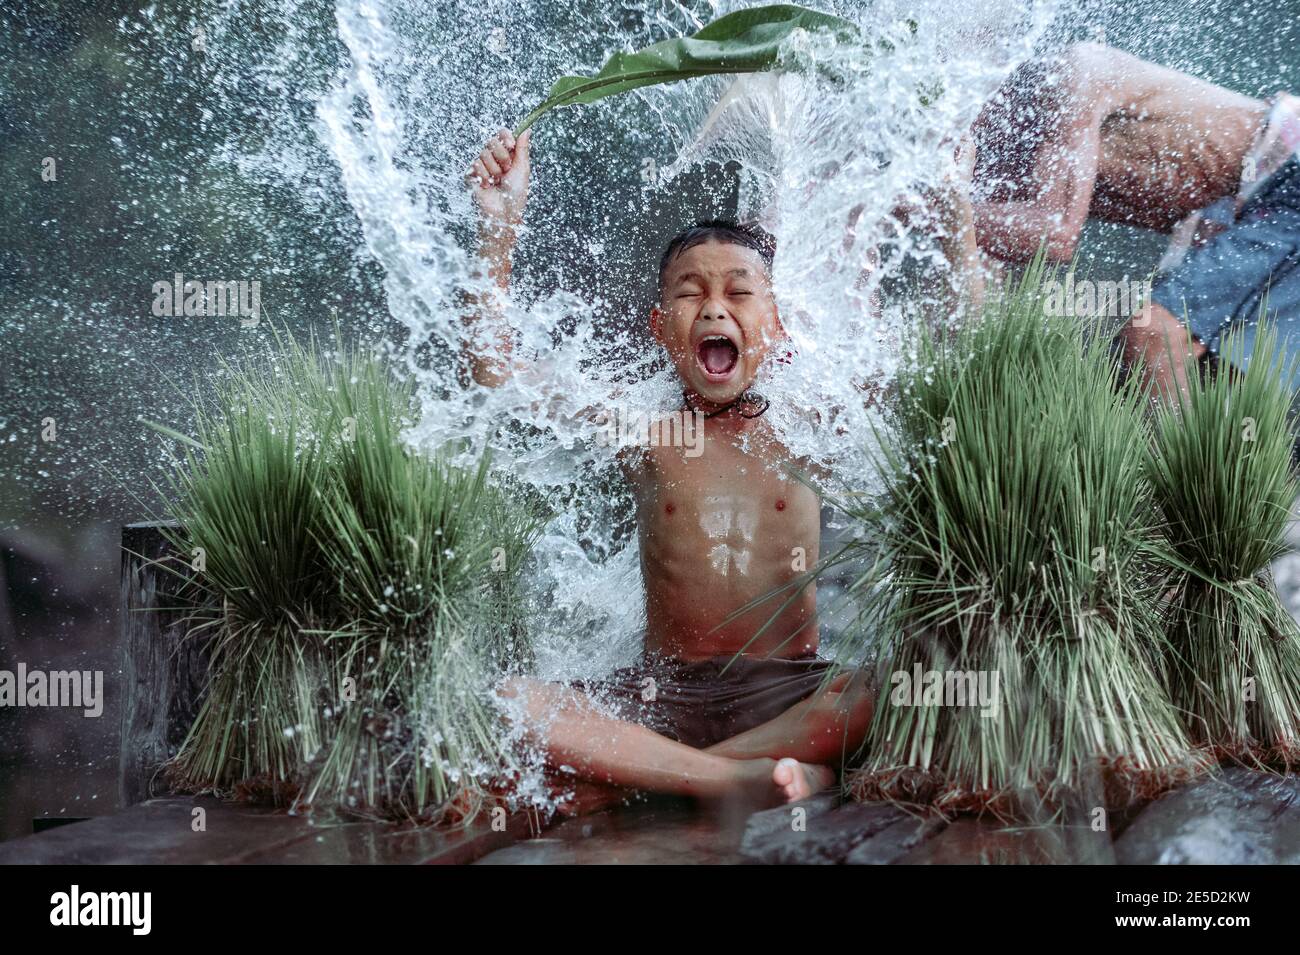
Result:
[[719, 230]]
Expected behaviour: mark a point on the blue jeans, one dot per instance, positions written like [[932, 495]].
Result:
[[1250, 267]]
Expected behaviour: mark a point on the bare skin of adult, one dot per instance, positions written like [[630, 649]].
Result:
[[1098, 132]]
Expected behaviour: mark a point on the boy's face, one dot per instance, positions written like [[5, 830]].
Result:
[[717, 318]]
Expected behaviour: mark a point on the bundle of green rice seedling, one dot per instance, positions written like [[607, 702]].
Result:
[[1225, 481], [426, 556], [359, 596], [247, 496], [1019, 656]]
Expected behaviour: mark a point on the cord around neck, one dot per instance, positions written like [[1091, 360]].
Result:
[[746, 397]]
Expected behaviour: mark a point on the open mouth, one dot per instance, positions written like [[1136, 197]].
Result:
[[717, 355]]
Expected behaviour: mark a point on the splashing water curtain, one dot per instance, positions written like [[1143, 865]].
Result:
[[804, 132], [802, 101]]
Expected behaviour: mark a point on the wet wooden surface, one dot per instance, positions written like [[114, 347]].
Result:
[[969, 841], [1237, 817], [162, 831], [667, 832], [819, 831], [1240, 816]]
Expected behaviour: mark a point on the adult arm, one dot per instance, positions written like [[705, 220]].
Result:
[[1061, 170]]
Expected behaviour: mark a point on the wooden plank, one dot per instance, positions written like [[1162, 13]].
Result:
[[160, 831], [377, 844], [164, 676], [971, 841], [658, 831]]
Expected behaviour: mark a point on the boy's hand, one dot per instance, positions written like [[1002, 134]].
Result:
[[499, 179]]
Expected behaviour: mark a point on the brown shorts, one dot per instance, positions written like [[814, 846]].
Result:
[[704, 702]]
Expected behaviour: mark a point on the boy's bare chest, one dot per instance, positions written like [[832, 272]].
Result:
[[726, 501]]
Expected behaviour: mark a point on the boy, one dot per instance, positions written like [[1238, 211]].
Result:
[[1097, 132], [717, 529]]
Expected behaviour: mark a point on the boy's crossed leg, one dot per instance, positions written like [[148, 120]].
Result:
[[787, 758]]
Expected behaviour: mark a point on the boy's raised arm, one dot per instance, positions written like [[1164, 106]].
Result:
[[498, 180]]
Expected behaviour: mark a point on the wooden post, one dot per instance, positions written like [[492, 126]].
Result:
[[164, 676]]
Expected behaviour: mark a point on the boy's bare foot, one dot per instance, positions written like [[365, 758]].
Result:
[[798, 780]]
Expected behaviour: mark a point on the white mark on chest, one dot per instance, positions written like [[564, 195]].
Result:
[[730, 524]]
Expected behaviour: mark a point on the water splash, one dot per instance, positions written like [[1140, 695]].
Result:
[[822, 164], [403, 93], [318, 145]]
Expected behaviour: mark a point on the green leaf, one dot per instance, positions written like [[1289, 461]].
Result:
[[747, 41], [175, 435]]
